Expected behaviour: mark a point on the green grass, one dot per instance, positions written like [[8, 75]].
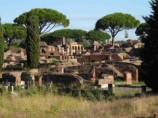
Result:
[[49, 105], [121, 82], [40, 102]]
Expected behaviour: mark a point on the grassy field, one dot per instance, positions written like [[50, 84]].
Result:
[[49, 105]]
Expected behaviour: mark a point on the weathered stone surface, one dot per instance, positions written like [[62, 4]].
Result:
[[130, 68], [60, 78], [108, 79], [80, 69], [128, 77], [34, 71], [108, 69]]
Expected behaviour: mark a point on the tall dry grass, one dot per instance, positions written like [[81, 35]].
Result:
[[55, 106]]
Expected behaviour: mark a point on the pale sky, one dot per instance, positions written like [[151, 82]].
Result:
[[83, 14]]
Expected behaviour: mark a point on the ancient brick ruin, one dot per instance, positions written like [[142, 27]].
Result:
[[78, 64]]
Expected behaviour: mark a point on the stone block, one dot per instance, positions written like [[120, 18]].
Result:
[[105, 81], [105, 86]]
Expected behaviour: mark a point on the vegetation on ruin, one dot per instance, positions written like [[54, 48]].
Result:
[[149, 52], [1, 45], [115, 23], [32, 42]]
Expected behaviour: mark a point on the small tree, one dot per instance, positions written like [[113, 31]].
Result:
[[1, 45], [149, 54], [96, 35], [13, 31], [116, 22], [32, 42]]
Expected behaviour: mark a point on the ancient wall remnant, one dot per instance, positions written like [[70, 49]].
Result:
[[130, 68], [63, 79]]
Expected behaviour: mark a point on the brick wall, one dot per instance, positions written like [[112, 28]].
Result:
[[92, 57]]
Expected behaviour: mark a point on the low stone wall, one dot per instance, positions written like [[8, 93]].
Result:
[[15, 77], [79, 69], [128, 68], [60, 78], [8, 77]]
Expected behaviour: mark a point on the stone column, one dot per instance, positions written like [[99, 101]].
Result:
[[95, 47], [136, 73], [67, 51], [62, 70], [128, 77], [62, 51]]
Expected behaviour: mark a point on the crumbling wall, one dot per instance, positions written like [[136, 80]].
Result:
[[108, 69], [64, 79], [128, 68], [80, 69]]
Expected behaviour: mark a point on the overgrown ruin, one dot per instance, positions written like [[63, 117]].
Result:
[[72, 63]]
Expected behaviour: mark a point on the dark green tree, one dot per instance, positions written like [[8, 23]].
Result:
[[48, 38], [13, 32], [115, 23], [1, 45], [149, 54], [78, 35], [142, 30], [32, 42], [47, 19], [97, 35], [75, 34]]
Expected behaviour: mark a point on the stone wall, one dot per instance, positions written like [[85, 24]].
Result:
[[92, 57], [15, 77], [8, 78], [80, 69], [63, 79], [107, 79], [116, 56], [128, 68], [110, 70]]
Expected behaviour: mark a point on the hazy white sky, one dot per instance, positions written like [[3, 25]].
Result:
[[82, 14]]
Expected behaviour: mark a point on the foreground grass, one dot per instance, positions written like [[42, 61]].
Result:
[[55, 106]]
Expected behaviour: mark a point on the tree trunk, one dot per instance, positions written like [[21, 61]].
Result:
[[9, 43], [113, 37]]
